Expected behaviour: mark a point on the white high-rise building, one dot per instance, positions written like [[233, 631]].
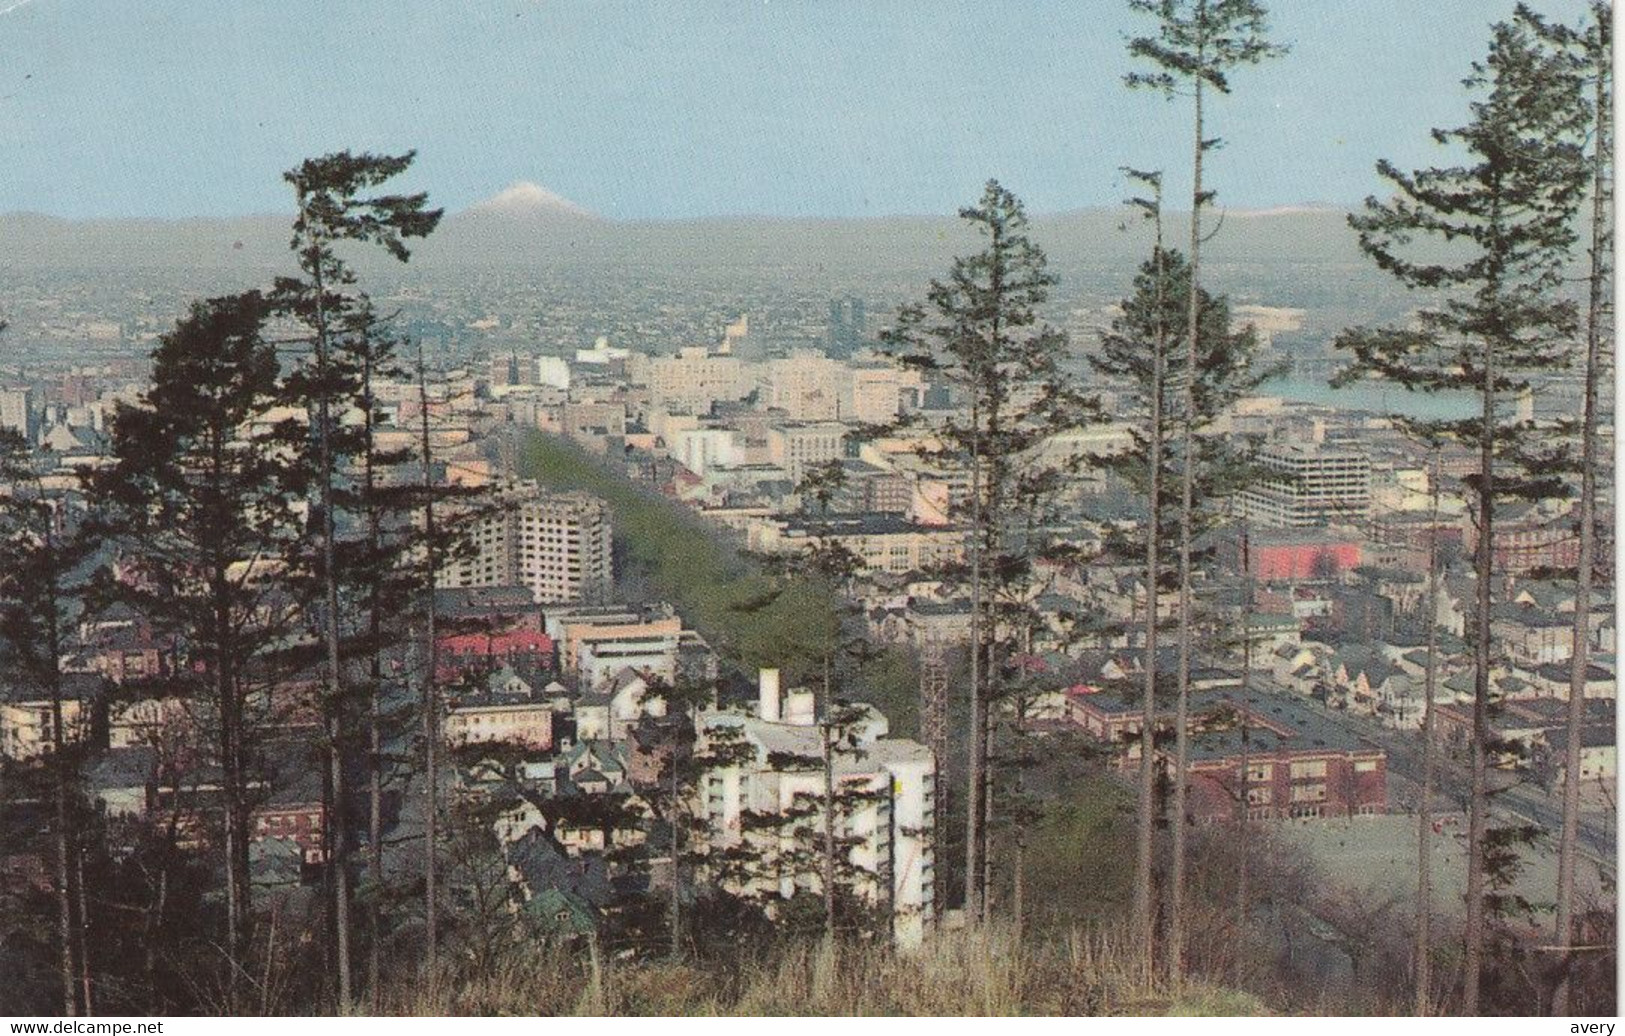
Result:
[[17, 411], [1309, 485], [808, 385], [885, 828], [557, 545], [797, 448], [694, 379]]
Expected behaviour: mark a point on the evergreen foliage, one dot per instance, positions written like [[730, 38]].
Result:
[[1495, 315]]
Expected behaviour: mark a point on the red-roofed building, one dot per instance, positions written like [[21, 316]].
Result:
[[483, 651]]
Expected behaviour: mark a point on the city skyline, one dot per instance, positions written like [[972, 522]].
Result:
[[672, 112]]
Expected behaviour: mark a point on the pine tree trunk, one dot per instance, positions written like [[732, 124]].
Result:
[[61, 777], [1145, 924], [375, 849], [987, 807], [829, 807], [270, 960], [64, 892], [329, 940], [829, 837], [974, 735], [1187, 521], [152, 919], [81, 933], [1568, 842], [1244, 805], [675, 907], [338, 861], [229, 701], [1424, 811], [430, 705], [236, 828], [1018, 895], [1478, 806], [375, 739], [992, 514], [338, 822]]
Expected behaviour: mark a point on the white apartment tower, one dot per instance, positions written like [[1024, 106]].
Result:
[[887, 836], [557, 545], [1308, 485], [17, 411]]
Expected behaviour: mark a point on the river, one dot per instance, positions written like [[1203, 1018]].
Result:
[[1376, 396]]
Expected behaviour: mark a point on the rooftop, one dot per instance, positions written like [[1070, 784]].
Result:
[[872, 523]]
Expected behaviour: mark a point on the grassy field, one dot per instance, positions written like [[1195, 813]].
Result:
[[1375, 857]]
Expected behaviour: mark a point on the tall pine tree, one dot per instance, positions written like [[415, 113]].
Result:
[[1135, 356], [1502, 224], [1592, 49], [44, 551], [200, 503], [334, 208], [1197, 45], [980, 335]]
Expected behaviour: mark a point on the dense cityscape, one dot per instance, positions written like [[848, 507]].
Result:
[[773, 617]]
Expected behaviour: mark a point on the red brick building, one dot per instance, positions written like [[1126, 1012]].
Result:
[[292, 818], [1297, 555], [1298, 764], [1526, 541], [1285, 778]]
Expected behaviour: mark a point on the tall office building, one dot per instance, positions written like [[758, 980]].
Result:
[[17, 411], [845, 334], [798, 447], [1308, 485], [695, 379], [556, 545]]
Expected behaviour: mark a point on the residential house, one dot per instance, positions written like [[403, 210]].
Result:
[[610, 712], [561, 894], [1553, 680], [503, 707], [595, 767], [124, 781], [1375, 685], [1532, 635], [27, 714], [1598, 756], [1300, 667]]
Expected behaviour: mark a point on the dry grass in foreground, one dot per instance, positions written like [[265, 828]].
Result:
[[955, 974]]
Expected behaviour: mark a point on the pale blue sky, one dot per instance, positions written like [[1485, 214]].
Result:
[[698, 107]]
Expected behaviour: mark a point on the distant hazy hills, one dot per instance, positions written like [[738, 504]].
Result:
[[527, 225]]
